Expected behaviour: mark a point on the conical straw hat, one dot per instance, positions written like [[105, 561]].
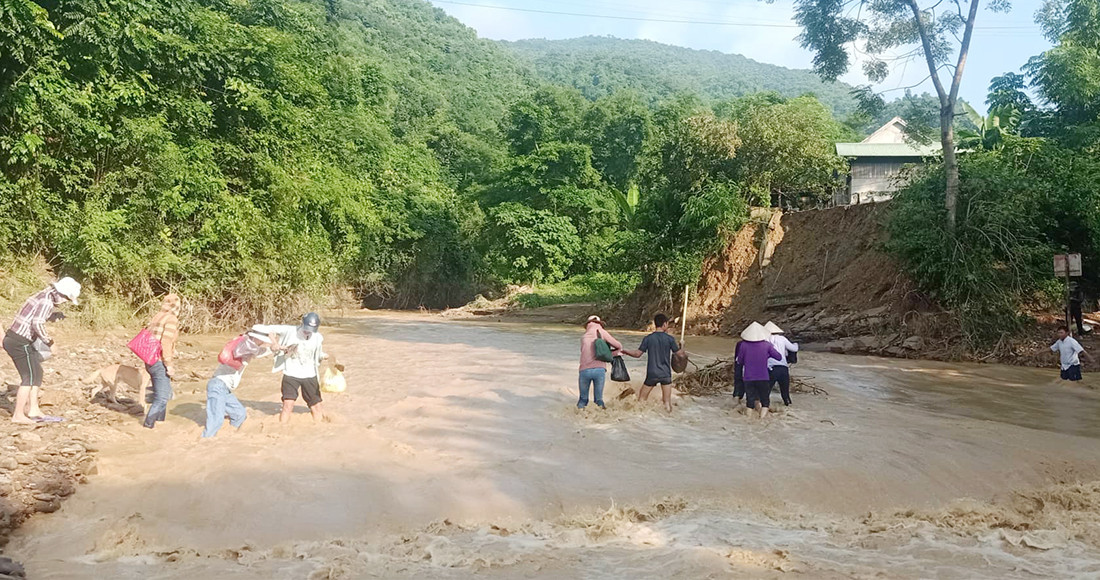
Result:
[[773, 328], [754, 333]]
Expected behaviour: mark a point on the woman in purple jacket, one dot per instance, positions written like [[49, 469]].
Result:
[[753, 356]]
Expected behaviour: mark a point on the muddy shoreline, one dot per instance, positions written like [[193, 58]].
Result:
[[43, 465]]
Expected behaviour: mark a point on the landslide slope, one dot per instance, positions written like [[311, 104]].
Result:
[[821, 274]]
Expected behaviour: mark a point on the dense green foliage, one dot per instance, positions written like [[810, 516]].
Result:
[[1022, 198], [601, 66], [245, 152], [242, 150]]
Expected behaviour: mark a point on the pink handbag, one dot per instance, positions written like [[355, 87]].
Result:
[[146, 347]]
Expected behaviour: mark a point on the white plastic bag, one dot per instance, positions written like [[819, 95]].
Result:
[[43, 349], [333, 381]]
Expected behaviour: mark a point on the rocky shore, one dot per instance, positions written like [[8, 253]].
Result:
[[41, 465]]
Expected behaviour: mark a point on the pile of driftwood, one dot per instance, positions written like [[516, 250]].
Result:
[[717, 379]]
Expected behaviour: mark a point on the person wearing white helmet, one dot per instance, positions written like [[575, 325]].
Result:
[[24, 340], [299, 355], [753, 356], [779, 370]]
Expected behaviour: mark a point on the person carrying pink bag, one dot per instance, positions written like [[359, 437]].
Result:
[[164, 328]]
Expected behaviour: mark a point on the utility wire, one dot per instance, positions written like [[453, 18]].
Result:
[[670, 20], [615, 17]]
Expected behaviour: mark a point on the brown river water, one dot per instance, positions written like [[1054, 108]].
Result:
[[457, 452]]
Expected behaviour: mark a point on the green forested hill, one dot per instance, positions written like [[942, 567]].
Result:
[[438, 68], [246, 153], [598, 66]]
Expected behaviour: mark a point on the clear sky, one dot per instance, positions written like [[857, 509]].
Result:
[[762, 31]]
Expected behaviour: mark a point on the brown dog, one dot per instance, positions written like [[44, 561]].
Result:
[[108, 379]]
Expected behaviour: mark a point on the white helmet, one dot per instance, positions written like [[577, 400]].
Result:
[[68, 288]]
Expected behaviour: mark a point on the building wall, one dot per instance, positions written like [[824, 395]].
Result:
[[875, 178]]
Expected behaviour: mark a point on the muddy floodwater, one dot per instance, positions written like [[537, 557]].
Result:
[[457, 452]]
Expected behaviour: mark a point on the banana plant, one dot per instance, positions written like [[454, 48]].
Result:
[[628, 201], [989, 130]]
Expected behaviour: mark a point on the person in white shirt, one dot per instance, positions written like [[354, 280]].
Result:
[[299, 358], [778, 370], [1070, 353]]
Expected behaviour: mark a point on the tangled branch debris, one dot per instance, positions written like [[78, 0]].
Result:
[[717, 379]]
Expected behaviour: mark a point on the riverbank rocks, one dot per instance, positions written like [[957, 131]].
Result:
[[42, 465], [10, 569], [914, 343]]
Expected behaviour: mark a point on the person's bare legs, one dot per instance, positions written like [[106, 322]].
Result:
[[763, 412], [19, 415], [34, 410], [666, 397], [643, 393], [288, 409], [318, 412]]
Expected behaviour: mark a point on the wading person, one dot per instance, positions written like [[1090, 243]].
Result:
[[593, 370], [19, 342], [164, 327], [1070, 353], [299, 358], [779, 370], [738, 374], [658, 346], [220, 400], [1076, 302], [754, 356]]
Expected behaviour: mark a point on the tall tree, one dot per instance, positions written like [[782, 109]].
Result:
[[834, 29], [1068, 75]]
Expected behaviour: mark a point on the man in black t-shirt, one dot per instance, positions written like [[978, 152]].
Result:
[[659, 345]]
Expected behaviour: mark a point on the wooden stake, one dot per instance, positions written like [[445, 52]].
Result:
[[684, 318]]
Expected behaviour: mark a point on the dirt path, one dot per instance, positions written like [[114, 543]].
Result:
[[456, 452]]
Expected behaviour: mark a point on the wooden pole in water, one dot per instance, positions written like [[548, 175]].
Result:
[[684, 318]]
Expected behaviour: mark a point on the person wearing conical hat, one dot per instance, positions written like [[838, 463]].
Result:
[[778, 370], [754, 356]]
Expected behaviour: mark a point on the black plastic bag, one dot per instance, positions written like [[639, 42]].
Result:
[[792, 356], [619, 374]]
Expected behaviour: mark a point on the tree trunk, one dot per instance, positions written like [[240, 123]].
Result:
[[950, 163], [947, 102]]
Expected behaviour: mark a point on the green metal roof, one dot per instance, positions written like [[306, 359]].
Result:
[[887, 150]]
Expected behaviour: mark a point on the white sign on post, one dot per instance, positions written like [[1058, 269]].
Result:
[[1072, 262]]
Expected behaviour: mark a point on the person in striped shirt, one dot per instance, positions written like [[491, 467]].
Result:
[[165, 327], [29, 328]]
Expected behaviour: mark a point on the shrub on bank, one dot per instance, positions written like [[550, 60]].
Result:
[[1017, 207]]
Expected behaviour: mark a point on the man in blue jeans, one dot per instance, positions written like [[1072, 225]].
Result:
[[165, 328], [593, 372], [220, 400]]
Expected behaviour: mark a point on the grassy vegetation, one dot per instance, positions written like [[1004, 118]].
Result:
[[22, 277], [598, 287]]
